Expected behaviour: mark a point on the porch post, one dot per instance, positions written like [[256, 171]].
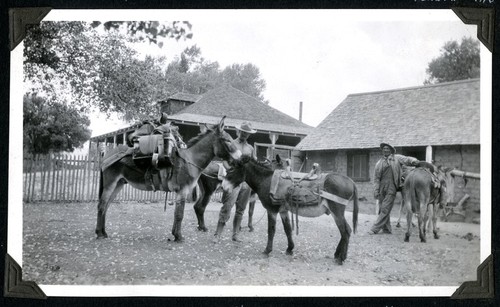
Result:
[[124, 138], [428, 154], [115, 138], [274, 138], [105, 149]]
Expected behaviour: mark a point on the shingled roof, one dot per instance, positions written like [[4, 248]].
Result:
[[441, 114], [239, 107], [185, 97]]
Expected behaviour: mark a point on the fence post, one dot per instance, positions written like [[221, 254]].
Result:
[[33, 171], [43, 160], [87, 178], [27, 181]]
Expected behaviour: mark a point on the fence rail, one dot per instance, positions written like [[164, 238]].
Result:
[[75, 178]]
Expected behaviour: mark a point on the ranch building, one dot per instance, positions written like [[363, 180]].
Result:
[[438, 123], [276, 131]]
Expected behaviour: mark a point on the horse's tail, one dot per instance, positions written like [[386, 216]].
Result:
[[355, 208], [412, 192], [207, 186], [195, 193], [200, 189], [101, 184]]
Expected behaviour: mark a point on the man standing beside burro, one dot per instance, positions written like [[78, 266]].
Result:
[[239, 194], [387, 181]]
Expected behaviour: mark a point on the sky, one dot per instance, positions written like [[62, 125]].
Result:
[[314, 56]]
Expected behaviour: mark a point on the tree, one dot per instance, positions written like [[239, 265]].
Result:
[[97, 69], [191, 73], [151, 31], [100, 71], [456, 62], [246, 78], [52, 126]]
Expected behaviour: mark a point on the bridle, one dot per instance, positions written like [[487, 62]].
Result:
[[194, 164]]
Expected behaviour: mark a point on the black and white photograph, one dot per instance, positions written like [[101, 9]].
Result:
[[261, 153]]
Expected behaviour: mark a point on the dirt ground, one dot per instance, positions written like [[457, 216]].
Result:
[[60, 248]]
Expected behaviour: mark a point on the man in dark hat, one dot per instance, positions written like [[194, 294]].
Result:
[[387, 180], [239, 194]]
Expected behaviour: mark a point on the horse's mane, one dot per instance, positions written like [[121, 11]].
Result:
[[261, 167], [197, 138]]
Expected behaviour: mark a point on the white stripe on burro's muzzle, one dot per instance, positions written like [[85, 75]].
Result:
[[227, 186], [236, 155]]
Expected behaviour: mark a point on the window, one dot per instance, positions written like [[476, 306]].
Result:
[[357, 166], [416, 152]]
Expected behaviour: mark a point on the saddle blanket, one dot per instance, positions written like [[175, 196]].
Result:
[[306, 193], [114, 155], [281, 185]]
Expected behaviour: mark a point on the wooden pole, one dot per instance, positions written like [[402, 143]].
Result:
[[460, 173], [462, 201]]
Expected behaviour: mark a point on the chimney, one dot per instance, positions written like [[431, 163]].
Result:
[[300, 111]]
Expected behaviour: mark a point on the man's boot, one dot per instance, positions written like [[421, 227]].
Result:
[[218, 232], [236, 228]]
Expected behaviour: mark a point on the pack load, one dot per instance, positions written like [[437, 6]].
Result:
[[155, 142]]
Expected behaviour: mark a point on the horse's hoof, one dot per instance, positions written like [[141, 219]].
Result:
[[250, 228], [436, 236], [339, 261], [266, 252], [216, 239], [236, 238], [407, 238], [423, 240], [204, 229], [101, 235], [289, 252], [398, 225]]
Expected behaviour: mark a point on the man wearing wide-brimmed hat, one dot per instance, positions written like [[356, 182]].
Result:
[[239, 194], [387, 181]]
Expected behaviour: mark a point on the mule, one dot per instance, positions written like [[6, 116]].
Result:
[[209, 182], [188, 163], [259, 178], [423, 198]]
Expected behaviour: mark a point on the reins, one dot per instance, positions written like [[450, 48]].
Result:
[[189, 162]]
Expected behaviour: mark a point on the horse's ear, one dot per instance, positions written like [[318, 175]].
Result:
[[204, 128], [278, 158], [221, 123], [163, 118]]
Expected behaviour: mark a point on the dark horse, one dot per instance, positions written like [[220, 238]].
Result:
[[259, 178], [423, 198], [187, 167], [208, 184]]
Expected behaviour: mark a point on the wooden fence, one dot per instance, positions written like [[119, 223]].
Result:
[[75, 178]]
